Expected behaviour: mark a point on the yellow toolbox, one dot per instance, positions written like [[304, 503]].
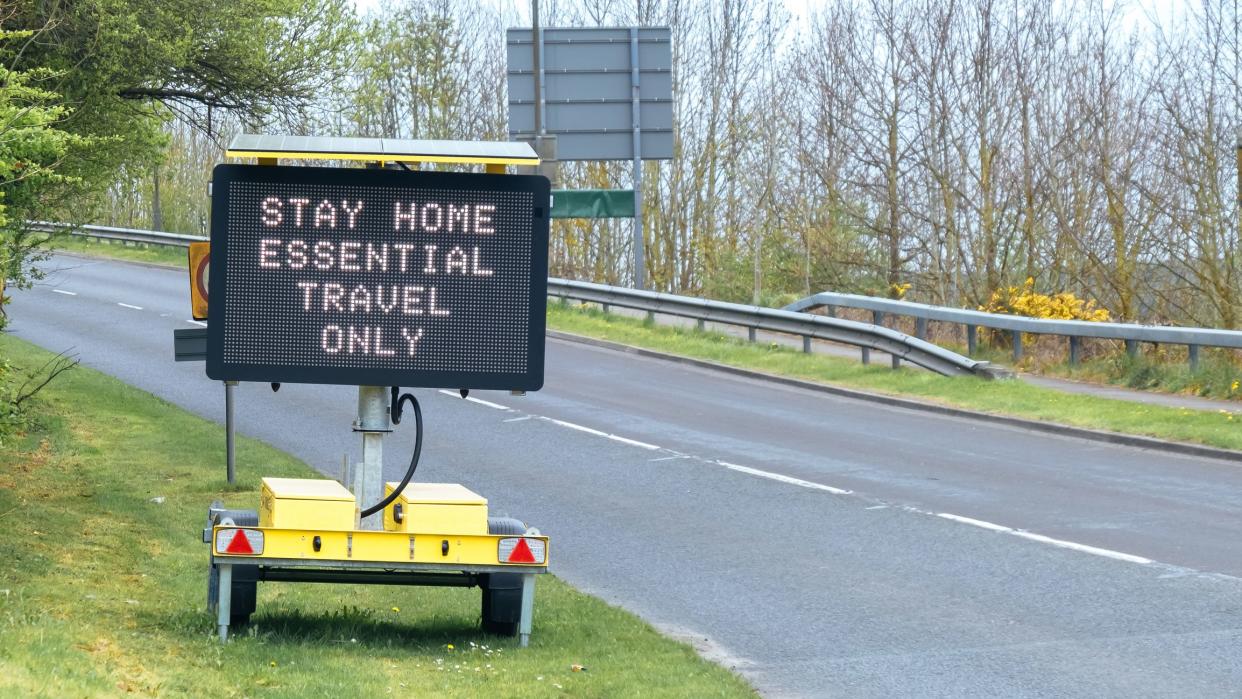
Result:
[[306, 503], [436, 508]]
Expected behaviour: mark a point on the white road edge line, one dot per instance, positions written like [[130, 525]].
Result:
[[785, 479], [127, 305], [480, 401], [196, 322], [66, 293], [1030, 536]]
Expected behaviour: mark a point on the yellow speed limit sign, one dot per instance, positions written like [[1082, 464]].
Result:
[[200, 269]]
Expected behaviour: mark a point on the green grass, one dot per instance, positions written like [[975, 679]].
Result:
[[1217, 376], [102, 590], [132, 252], [1000, 397]]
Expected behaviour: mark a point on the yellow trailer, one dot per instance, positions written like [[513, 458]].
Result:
[[379, 279]]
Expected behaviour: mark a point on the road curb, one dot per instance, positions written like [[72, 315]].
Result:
[[1180, 448]]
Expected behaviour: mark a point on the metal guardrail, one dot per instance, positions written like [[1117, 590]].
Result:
[[864, 335], [1132, 334], [129, 235]]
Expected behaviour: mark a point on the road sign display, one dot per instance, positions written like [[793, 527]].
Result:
[[378, 277], [601, 85], [200, 268]]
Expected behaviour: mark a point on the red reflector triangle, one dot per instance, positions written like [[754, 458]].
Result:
[[521, 553], [241, 544]]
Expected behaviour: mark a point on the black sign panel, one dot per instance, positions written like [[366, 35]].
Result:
[[378, 277]]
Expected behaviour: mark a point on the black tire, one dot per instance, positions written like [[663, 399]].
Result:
[[502, 592], [502, 603], [245, 585], [244, 597], [245, 594]]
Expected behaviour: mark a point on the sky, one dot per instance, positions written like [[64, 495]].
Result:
[[1138, 11]]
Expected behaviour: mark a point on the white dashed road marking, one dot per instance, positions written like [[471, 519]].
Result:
[[811, 485], [1061, 543]]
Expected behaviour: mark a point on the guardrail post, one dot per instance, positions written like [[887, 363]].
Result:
[[896, 361], [701, 325], [806, 344], [603, 307], [972, 339], [750, 334], [1074, 341], [830, 311], [1017, 345], [1132, 348], [1192, 352], [866, 356], [920, 328], [877, 318]]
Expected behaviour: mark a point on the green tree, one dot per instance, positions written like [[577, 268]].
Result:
[[32, 146], [90, 84]]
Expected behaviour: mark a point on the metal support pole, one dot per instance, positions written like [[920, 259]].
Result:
[[528, 609], [224, 603], [536, 40], [1192, 353], [866, 356], [896, 361], [830, 311], [1074, 343], [1017, 345], [229, 461], [806, 344], [1132, 348], [750, 334], [972, 340], [920, 328], [640, 281], [877, 318], [701, 325], [368, 485]]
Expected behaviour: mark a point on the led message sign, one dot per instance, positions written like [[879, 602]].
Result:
[[378, 277]]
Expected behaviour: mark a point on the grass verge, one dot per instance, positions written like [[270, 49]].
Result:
[[102, 591], [132, 252], [1001, 397]]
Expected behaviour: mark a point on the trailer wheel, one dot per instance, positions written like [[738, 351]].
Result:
[[245, 594], [502, 592], [245, 585]]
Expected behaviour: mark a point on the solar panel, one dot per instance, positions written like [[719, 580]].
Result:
[[390, 149]]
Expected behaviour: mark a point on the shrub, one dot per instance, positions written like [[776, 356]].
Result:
[[1025, 301]]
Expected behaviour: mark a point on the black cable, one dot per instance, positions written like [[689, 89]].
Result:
[[396, 402], [418, 450]]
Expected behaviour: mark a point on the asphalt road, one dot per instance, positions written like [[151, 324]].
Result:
[[822, 546]]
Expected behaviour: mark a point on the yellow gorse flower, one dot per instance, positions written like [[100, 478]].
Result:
[[1025, 301]]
